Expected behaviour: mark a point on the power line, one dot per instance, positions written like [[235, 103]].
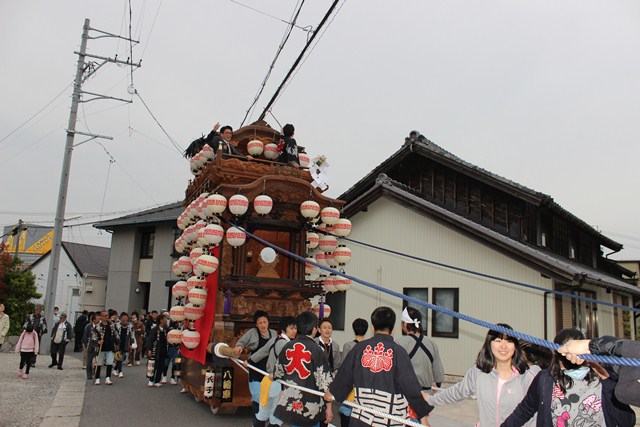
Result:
[[297, 61], [173, 142], [153, 25], [285, 38], [306, 29]]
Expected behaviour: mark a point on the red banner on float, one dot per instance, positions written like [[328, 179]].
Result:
[[204, 325]]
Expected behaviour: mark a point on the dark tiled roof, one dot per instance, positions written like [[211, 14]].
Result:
[[88, 259], [551, 264], [164, 213], [417, 143]]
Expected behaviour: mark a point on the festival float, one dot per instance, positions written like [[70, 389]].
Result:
[[226, 275]]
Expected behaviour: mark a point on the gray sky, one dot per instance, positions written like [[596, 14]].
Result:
[[545, 93]]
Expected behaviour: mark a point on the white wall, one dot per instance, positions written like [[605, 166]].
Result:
[[395, 227], [68, 278]]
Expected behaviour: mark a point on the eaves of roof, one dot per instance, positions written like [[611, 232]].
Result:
[[551, 265], [160, 214]]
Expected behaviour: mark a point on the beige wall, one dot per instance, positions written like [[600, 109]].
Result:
[[94, 300], [392, 226]]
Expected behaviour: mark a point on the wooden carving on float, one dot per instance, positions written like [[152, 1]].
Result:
[[246, 281]]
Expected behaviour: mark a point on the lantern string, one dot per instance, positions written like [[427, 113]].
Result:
[[321, 394], [511, 332]]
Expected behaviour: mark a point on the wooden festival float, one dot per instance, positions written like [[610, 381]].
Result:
[[227, 276]]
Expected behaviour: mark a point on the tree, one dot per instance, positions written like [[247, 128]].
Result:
[[17, 288]]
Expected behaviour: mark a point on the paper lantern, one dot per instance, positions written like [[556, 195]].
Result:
[[328, 284], [262, 204], [255, 147], [195, 281], [180, 289], [194, 167], [215, 204], [198, 296], [330, 215], [190, 234], [271, 151], [208, 153], [304, 160], [342, 283], [192, 312], [212, 234], [309, 209], [182, 224], [195, 254], [190, 339], [342, 227], [326, 312], [209, 378], [238, 204], [321, 258], [310, 268], [174, 336], [342, 255], [236, 237], [185, 264], [179, 245], [177, 313], [207, 263], [175, 267], [327, 243], [330, 260], [312, 240]]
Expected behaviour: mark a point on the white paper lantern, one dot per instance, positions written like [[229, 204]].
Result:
[[310, 268], [181, 221], [238, 204], [328, 284], [271, 151], [207, 263], [326, 311], [304, 160], [196, 282], [208, 153], [330, 215], [175, 267], [327, 243], [190, 339], [342, 255], [174, 336], [194, 167], [185, 264], [213, 234], [198, 296], [215, 204], [330, 260], [342, 227], [177, 313], [262, 204], [236, 237], [190, 234], [312, 240], [255, 147], [180, 289], [309, 209], [342, 283], [192, 312], [321, 258], [195, 254]]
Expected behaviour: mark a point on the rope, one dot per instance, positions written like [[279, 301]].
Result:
[[553, 346], [489, 276], [321, 394]]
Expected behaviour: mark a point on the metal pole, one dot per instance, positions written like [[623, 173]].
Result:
[[52, 278], [16, 237]]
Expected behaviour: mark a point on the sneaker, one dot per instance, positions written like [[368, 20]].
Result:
[[150, 384], [52, 365], [173, 381], [164, 380], [129, 364], [20, 372], [116, 372], [184, 390], [120, 375], [107, 381], [25, 376], [97, 381], [137, 363], [60, 368], [157, 385]]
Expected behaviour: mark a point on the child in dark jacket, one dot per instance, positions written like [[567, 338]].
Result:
[[28, 346], [566, 394]]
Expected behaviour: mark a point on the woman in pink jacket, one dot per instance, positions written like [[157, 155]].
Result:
[[28, 347]]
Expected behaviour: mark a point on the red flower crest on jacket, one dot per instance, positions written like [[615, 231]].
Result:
[[378, 359]]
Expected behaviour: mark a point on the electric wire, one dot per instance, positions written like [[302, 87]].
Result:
[[37, 141], [173, 142], [511, 332], [307, 28], [285, 38], [297, 61], [153, 25]]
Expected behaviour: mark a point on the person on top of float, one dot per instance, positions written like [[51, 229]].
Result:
[[288, 147]]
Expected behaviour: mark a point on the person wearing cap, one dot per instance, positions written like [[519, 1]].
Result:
[[422, 351], [60, 335]]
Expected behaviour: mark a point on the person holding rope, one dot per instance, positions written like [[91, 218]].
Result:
[[568, 394], [381, 372], [628, 388], [499, 380], [105, 339], [422, 351], [88, 343]]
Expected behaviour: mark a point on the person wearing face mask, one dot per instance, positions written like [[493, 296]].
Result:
[[567, 394]]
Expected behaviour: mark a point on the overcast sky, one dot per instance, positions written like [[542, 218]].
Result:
[[545, 93]]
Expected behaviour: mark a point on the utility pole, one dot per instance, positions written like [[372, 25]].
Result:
[[16, 236], [81, 69]]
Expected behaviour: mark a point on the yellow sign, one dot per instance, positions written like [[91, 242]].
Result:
[[11, 245], [42, 246]]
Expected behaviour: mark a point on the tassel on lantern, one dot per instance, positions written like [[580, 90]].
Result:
[[227, 302]]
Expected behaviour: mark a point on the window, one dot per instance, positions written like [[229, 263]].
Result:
[[444, 325], [421, 294], [146, 243], [176, 234], [336, 301]]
